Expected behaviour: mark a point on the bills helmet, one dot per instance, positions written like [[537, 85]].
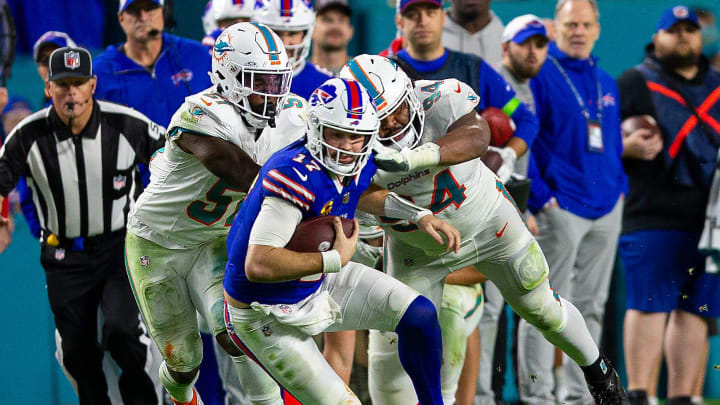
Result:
[[217, 10], [390, 88], [289, 15], [249, 59], [342, 105]]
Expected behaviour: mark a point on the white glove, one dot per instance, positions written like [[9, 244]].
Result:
[[509, 156], [406, 159]]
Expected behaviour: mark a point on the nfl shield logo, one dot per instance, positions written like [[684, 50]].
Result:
[[72, 60], [144, 261], [59, 254], [119, 181]]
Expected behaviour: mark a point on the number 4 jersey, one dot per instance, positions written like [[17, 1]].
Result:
[[185, 205], [458, 193]]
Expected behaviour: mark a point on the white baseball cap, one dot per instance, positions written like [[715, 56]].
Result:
[[521, 28]]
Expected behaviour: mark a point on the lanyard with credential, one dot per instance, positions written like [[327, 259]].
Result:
[[594, 134], [585, 110]]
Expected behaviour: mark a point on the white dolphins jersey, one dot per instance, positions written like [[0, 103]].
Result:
[[457, 193], [185, 205]]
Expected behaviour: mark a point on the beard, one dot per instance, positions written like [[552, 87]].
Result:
[[678, 60], [521, 71]]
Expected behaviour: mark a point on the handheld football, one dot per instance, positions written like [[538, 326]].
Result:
[[632, 124], [492, 160], [501, 126], [317, 234]]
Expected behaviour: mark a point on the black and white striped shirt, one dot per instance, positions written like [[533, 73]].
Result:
[[84, 184]]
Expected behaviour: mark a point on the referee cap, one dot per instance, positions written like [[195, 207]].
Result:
[[70, 62]]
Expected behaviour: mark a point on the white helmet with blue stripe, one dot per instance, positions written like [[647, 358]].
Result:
[[390, 89], [249, 61], [217, 10], [341, 105], [289, 15]]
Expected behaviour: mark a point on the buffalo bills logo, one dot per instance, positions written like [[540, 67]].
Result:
[[72, 60], [221, 48], [324, 94], [184, 75], [680, 12], [608, 100]]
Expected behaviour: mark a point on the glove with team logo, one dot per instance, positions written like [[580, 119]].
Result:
[[406, 160], [509, 156]]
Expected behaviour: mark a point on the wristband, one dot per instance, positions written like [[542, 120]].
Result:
[[419, 215], [331, 261]]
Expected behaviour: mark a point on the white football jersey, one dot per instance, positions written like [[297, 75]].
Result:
[[457, 193], [185, 205]]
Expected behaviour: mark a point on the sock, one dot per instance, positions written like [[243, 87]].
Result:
[[180, 392], [574, 338], [420, 349], [599, 370], [697, 400], [259, 387], [638, 397], [685, 400]]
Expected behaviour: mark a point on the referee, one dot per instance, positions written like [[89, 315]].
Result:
[[79, 157]]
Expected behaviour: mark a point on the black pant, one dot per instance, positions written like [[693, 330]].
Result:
[[79, 281]]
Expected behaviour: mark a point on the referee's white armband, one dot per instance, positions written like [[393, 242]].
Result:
[[331, 261], [400, 208]]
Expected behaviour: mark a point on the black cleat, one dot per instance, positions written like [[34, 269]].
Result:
[[608, 391]]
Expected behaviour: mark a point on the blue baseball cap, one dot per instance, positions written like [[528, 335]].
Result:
[[674, 15], [523, 27], [404, 4], [57, 38], [125, 3]]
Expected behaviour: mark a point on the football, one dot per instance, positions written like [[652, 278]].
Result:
[[317, 234], [492, 160], [632, 124], [501, 126]]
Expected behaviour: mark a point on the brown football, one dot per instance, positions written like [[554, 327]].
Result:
[[317, 234], [501, 126], [632, 124], [492, 160]]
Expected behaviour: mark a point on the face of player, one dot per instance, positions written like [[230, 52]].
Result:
[[71, 91], [422, 25], [394, 123], [346, 141], [577, 29], [680, 45], [290, 38], [525, 60], [141, 19], [44, 59], [332, 31], [268, 89]]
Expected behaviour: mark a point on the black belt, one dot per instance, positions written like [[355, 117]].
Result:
[[79, 244]]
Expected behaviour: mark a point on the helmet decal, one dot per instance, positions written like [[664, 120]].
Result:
[[361, 76], [270, 43]]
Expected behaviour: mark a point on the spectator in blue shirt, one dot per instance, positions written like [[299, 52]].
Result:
[[577, 187], [152, 71]]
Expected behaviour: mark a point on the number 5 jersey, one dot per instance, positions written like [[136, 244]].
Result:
[[185, 205]]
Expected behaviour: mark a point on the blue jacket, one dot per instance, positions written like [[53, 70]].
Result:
[[584, 182], [309, 78], [180, 70], [487, 83]]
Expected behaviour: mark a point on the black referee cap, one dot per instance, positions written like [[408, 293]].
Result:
[[70, 62]]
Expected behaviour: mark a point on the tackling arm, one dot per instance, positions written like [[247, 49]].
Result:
[[223, 159], [466, 139]]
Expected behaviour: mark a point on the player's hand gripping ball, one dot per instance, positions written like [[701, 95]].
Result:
[[317, 234]]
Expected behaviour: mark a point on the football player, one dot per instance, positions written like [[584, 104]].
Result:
[[293, 21], [277, 299], [175, 244], [220, 14], [418, 122]]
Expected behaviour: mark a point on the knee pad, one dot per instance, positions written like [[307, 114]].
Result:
[[419, 316], [183, 352], [530, 267], [543, 308]]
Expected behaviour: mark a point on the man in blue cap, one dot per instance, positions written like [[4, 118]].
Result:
[[670, 297]]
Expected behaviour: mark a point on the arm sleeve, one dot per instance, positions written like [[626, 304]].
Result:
[[12, 161], [496, 92], [275, 223]]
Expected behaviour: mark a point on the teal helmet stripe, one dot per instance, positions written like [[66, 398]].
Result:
[[362, 77], [269, 40]]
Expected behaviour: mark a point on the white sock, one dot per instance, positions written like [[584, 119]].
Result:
[[181, 392], [575, 339], [259, 387]]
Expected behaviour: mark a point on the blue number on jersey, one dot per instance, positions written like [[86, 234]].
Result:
[[294, 175]]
